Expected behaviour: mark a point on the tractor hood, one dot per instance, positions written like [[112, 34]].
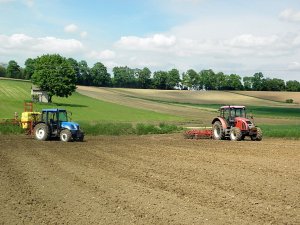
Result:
[[70, 125]]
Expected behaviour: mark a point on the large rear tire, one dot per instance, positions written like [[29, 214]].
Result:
[[218, 131], [65, 135], [41, 132], [235, 134], [258, 136]]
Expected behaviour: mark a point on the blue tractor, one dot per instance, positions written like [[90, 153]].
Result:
[[54, 124]]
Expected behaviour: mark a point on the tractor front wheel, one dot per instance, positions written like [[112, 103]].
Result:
[[41, 132], [235, 134], [257, 136], [65, 135], [218, 131]]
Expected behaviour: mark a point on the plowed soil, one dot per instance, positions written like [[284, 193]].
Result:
[[159, 179]]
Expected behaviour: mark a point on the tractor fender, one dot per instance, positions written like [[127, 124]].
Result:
[[221, 120]]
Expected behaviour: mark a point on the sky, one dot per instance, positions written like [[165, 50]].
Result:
[[232, 36]]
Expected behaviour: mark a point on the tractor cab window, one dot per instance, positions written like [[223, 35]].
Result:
[[52, 117], [225, 113], [62, 116], [240, 112]]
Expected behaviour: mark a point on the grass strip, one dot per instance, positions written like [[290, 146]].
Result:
[[281, 131]]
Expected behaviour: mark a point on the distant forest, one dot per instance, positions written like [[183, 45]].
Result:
[[126, 77]]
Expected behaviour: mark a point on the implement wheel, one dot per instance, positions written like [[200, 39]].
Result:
[[41, 132], [65, 135], [218, 131]]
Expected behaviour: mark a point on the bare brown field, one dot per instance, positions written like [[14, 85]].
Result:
[[159, 179], [272, 95]]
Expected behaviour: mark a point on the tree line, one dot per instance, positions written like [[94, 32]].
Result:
[[126, 77]]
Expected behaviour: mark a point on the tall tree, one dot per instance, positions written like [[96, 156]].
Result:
[[274, 84], [85, 77], [220, 81], [257, 81], [13, 70], [293, 85], [234, 82], [124, 77], [160, 79], [208, 79], [191, 79], [29, 68], [100, 76], [143, 78], [54, 74], [2, 71], [247, 83], [173, 79], [75, 66]]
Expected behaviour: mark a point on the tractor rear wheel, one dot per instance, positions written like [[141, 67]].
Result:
[[65, 135], [41, 132], [218, 131], [257, 136], [235, 134]]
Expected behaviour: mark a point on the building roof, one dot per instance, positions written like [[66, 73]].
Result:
[[233, 107]]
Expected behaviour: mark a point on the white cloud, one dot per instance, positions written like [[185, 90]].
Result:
[[23, 44], [294, 66], [71, 28], [6, 1], [251, 41], [102, 55], [29, 3], [245, 44], [290, 15], [83, 34], [155, 42]]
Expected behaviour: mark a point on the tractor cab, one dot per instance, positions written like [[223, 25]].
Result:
[[55, 118], [232, 113]]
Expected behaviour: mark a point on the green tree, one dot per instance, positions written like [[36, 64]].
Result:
[[13, 70], [208, 79], [100, 76], [293, 85], [75, 66], [234, 82], [124, 77], [2, 71], [247, 83], [55, 75], [85, 77], [143, 78], [160, 79], [191, 79], [29, 68], [220, 81], [257, 81], [173, 79], [274, 84]]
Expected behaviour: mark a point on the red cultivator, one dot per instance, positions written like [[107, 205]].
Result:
[[198, 134]]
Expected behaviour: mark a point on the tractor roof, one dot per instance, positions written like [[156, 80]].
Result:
[[53, 110], [233, 107]]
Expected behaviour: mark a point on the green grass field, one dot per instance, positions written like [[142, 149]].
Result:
[[83, 108]]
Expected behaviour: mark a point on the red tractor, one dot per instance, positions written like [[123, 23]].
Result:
[[234, 124]]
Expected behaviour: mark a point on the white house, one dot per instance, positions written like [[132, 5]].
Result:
[[39, 95]]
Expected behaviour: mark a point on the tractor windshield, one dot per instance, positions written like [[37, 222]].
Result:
[[62, 116], [239, 112]]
